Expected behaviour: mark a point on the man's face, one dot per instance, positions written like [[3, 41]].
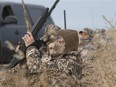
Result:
[[84, 35], [56, 47]]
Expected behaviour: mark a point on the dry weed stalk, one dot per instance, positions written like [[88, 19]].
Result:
[[109, 22], [26, 17]]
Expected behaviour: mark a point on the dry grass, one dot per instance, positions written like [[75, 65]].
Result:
[[101, 67], [48, 78]]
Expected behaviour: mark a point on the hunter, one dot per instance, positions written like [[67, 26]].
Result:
[[37, 60]]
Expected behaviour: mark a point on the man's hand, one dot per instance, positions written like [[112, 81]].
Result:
[[28, 39]]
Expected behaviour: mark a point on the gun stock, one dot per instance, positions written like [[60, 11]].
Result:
[[20, 54]]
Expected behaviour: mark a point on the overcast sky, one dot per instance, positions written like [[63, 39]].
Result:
[[80, 13]]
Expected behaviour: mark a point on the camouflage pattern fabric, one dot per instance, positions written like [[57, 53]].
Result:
[[33, 59], [66, 63]]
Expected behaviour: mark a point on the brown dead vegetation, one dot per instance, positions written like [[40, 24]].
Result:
[[100, 69]]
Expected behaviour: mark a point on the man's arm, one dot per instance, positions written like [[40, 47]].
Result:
[[33, 59]]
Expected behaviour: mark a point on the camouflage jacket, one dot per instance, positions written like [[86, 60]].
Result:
[[66, 63]]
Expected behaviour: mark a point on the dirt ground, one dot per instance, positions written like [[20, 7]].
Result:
[[99, 68]]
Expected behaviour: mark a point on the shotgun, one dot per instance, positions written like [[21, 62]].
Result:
[[20, 54]]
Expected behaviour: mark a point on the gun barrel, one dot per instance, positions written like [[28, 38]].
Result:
[[54, 5], [38, 25]]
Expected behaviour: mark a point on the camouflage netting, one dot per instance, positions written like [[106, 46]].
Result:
[[99, 68]]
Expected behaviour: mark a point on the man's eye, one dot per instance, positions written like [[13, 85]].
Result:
[[60, 41], [50, 48]]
